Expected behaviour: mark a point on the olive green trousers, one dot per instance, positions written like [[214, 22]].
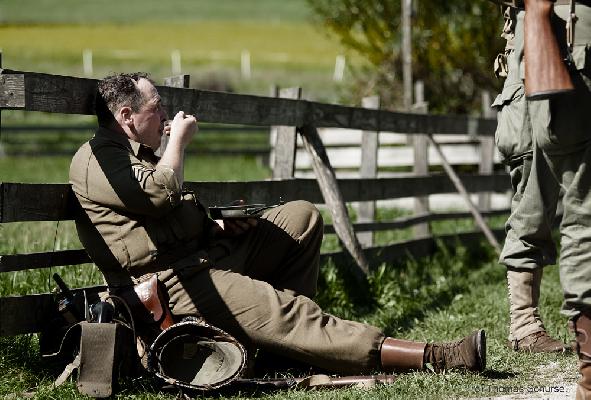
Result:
[[258, 287], [561, 129], [528, 245]]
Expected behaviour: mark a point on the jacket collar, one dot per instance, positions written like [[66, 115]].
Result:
[[122, 139]]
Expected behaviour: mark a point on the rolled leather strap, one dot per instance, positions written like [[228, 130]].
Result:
[[402, 354]]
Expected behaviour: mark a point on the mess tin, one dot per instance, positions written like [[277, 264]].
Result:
[[238, 211]]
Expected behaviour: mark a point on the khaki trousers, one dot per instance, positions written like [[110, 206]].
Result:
[[258, 288]]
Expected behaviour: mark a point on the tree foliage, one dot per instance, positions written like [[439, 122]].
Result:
[[454, 44]]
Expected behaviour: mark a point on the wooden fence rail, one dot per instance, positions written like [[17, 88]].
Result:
[[34, 91]]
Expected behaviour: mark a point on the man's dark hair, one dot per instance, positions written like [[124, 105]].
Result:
[[116, 91]]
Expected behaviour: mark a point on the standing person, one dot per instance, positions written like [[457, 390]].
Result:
[[562, 154], [562, 157], [254, 278], [528, 244]]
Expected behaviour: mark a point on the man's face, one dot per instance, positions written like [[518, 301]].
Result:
[[149, 120]]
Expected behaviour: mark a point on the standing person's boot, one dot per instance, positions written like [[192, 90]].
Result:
[[582, 328], [526, 329], [468, 353]]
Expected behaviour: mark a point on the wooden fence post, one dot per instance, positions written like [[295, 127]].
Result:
[[333, 198], [273, 92], [285, 142], [368, 169], [466, 196], [2, 152], [180, 81], [175, 63], [421, 162], [487, 151]]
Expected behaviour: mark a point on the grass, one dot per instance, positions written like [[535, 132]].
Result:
[[438, 298]]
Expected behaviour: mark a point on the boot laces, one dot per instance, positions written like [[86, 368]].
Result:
[[446, 355]]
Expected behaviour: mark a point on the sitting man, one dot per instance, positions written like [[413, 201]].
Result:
[[253, 278]]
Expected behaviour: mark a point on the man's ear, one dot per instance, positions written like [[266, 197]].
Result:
[[125, 116]]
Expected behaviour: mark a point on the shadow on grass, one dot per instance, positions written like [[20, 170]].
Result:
[[397, 297], [491, 374], [21, 366]]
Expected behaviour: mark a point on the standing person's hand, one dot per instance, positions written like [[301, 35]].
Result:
[[183, 127]]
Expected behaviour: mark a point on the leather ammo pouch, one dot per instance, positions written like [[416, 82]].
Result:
[[106, 351]]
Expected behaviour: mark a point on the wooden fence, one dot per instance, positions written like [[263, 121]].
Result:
[[20, 202]]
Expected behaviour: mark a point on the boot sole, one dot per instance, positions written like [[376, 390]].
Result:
[[480, 344]]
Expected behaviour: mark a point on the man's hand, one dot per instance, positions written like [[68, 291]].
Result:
[[233, 227], [182, 128]]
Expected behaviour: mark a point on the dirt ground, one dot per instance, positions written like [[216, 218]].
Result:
[[562, 384]]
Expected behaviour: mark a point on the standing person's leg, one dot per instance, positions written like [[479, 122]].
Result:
[[562, 132], [574, 175], [528, 245], [527, 249]]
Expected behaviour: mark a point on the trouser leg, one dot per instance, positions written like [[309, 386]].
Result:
[[529, 244], [283, 249], [274, 320], [528, 247], [259, 289], [575, 255]]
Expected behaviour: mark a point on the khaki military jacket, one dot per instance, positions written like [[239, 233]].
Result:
[[135, 218]]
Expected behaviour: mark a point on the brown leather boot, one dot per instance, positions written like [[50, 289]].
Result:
[[398, 354], [468, 353], [538, 342], [526, 330], [582, 328]]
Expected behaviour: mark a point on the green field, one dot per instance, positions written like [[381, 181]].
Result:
[[75, 11], [286, 46]]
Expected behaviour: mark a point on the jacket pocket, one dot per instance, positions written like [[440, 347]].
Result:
[[562, 123], [513, 136]]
